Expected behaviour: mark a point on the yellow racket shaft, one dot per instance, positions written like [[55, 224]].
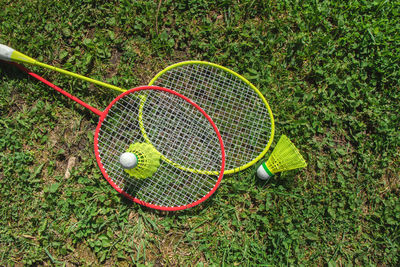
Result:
[[10, 54]]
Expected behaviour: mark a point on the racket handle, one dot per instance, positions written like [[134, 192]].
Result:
[[12, 55], [9, 54]]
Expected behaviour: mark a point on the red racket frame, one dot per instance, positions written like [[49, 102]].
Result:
[[120, 190], [103, 115]]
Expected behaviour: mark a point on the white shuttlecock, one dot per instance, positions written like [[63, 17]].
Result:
[[284, 157], [148, 160]]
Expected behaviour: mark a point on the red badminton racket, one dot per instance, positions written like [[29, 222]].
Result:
[[176, 127]]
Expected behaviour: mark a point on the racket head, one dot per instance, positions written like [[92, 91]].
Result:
[[168, 115], [240, 111]]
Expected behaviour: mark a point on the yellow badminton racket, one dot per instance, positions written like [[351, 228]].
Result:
[[237, 107]]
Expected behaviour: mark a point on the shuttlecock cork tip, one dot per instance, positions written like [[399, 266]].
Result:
[[128, 160], [263, 172]]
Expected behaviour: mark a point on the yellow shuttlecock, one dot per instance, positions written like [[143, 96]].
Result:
[[140, 160], [284, 157]]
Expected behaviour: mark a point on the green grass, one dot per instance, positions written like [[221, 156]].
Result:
[[330, 71]]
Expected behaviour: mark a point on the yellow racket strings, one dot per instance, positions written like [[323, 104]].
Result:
[[239, 110]]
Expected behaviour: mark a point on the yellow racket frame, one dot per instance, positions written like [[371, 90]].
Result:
[[22, 58], [238, 76]]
